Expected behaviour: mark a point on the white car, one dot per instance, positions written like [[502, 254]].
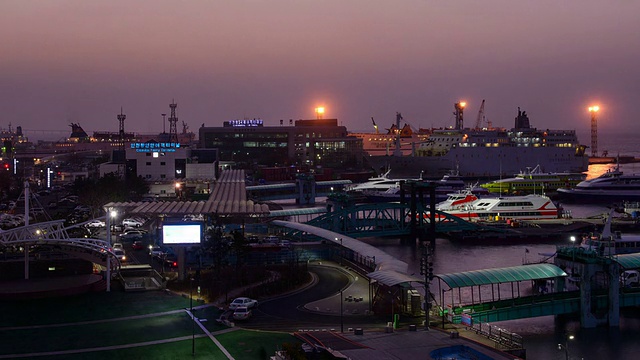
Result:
[[243, 302], [242, 313], [155, 251], [120, 254], [95, 224], [131, 223]]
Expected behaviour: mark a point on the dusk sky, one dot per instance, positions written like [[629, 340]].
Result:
[[80, 61]]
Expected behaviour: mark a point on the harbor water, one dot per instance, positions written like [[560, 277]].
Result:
[[543, 334]]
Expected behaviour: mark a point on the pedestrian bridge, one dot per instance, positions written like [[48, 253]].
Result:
[[546, 293]]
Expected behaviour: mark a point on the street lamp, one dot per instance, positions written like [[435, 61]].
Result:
[[341, 312], [565, 347], [178, 190], [319, 112], [442, 304], [193, 318]]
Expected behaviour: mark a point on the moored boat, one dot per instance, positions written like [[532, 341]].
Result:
[[472, 208], [534, 181], [612, 186], [611, 242], [490, 152]]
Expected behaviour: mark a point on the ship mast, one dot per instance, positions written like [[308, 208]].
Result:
[[398, 151]]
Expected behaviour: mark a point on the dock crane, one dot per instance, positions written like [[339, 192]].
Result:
[[374, 125], [480, 118]]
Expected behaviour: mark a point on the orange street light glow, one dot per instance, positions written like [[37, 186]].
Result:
[[320, 110], [594, 108], [463, 104]]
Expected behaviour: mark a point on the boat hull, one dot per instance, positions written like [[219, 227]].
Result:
[[484, 162]]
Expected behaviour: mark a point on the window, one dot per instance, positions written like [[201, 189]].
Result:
[[162, 176], [163, 163], [148, 163]]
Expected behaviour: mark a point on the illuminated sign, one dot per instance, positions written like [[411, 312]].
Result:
[[156, 147], [243, 123]]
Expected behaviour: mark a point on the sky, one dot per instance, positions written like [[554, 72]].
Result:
[[80, 61]]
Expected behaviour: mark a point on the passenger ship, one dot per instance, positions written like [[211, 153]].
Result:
[[469, 207], [609, 187], [611, 243], [534, 181], [489, 153], [397, 140]]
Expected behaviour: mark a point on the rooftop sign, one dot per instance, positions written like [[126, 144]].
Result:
[[153, 147], [243, 123]]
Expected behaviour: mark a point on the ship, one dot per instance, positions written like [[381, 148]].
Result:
[[533, 181], [396, 139], [609, 187], [490, 153], [528, 207]]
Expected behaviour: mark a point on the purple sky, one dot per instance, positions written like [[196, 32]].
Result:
[[80, 61]]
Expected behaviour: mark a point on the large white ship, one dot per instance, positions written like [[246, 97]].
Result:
[[488, 153], [396, 140]]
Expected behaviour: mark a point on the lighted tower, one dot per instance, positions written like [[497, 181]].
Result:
[[121, 118], [173, 121], [459, 114], [594, 130]]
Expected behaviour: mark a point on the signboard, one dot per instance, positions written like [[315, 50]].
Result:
[[155, 147], [243, 123], [182, 234], [466, 319]]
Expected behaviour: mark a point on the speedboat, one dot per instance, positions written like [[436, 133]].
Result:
[[611, 186], [472, 208]]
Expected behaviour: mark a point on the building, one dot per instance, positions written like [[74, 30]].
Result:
[[313, 143]]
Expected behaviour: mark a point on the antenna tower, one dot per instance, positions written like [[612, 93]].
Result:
[[121, 118], [173, 121]]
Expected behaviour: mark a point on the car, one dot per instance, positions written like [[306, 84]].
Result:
[[131, 235], [155, 251], [95, 224], [137, 245], [120, 254], [242, 313], [243, 301], [131, 223], [118, 246]]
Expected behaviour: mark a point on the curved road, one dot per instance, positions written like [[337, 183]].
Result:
[[287, 313]]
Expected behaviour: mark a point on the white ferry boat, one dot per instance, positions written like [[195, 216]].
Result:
[[469, 207], [611, 186], [611, 243], [400, 140], [377, 184], [490, 153]]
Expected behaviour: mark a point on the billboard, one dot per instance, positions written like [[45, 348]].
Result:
[[182, 234]]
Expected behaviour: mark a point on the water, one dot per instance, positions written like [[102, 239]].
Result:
[[543, 334]]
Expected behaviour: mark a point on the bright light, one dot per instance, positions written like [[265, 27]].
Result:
[[463, 104], [177, 185], [571, 337], [320, 110], [113, 213], [595, 108], [573, 239]]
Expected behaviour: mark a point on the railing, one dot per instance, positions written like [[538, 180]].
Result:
[[500, 336]]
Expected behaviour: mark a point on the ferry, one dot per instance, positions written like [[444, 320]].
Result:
[[381, 184], [399, 140], [528, 207], [489, 152], [611, 243], [609, 187], [534, 181]]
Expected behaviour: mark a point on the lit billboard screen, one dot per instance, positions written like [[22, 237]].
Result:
[[182, 234]]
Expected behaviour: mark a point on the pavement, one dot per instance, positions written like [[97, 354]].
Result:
[[403, 343]]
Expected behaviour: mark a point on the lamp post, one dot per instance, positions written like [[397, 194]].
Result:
[[341, 312], [593, 110], [565, 347], [193, 318], [573, 254], [442, 304], [319, 112]]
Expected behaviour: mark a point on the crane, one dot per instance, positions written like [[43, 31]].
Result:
[[480, 118], [374, 125]]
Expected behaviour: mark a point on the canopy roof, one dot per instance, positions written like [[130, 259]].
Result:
[[293, 212], [629, 261], [502, 275], [392, 277]]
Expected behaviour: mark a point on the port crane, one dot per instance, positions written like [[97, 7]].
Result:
[[374, 125], [481, 118]]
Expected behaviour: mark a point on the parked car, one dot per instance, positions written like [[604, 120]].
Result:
[[131, 223], [243, 302], [242, 313], [131, 235], [95, 224], [137, 245], [117, 246]]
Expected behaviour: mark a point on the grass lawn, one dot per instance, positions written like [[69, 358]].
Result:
[[87, 307], [205, 349], [253, 345]]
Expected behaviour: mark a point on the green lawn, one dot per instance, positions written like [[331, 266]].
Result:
[[253, 345]]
